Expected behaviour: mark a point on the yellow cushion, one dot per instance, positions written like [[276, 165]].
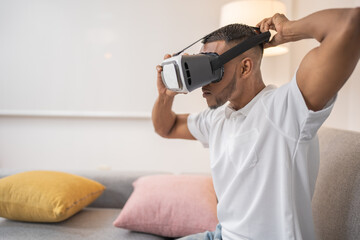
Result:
[[45, 196]]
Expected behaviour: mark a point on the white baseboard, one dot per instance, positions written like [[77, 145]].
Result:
[[74, 114]]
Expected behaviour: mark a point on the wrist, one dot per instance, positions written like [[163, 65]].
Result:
[[296, 30], [291, 32], [166, 98]]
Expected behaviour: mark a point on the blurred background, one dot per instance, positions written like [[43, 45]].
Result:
[[78, 79]]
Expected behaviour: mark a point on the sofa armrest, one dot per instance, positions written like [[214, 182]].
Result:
[[336, 201]]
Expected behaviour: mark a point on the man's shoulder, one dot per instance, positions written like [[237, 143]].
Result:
[[211, 113], [282, 91]]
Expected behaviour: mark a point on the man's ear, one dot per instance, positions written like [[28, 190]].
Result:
[[246, 67]]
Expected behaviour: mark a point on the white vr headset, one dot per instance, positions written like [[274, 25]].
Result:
[[185, 73]]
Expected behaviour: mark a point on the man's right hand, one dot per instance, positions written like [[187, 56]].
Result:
[[160, 85], [167, 123]]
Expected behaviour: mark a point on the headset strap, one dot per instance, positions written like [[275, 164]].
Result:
[[239, 49], [235, 51], [190, 45]]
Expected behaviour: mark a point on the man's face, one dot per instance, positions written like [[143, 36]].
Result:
[[217, 94]]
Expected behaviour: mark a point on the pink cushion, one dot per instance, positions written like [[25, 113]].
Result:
[[170, 206]]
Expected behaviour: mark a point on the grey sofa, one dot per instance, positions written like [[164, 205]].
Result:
[[336, 202], [92, 223]]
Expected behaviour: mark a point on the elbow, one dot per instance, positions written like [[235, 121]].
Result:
[[162, 133], [158, 129], [163, 126]]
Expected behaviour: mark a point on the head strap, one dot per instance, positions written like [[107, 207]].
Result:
[[235, 51], [239, 49]]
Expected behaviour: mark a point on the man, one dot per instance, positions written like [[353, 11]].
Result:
[[263, 146]]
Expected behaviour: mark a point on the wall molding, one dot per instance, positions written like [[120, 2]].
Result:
[[74, 114]]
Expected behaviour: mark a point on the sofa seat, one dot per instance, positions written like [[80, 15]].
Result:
[[89, 224]]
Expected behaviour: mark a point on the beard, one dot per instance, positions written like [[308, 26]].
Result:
[[225, 94]]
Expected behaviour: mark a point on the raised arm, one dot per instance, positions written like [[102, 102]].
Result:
[[326, 68], [167, 123]]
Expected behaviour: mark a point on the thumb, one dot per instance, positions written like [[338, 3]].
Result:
[[275, 41]]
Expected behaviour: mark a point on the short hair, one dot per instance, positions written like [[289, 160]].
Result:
[[232, 33]]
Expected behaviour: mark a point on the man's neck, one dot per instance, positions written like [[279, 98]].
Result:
[[247, 93]]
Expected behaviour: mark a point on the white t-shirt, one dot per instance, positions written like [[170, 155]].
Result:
[[264, 161]]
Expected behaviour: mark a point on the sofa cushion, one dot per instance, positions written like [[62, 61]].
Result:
[[45, 196], [89, 224], [170, 205], [336, 201], [118, 184]]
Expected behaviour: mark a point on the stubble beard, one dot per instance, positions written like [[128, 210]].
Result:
[[225, 94]]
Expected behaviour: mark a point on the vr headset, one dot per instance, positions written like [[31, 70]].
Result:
[[184, 73]]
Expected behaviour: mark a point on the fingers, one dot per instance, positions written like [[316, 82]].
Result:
[[272, 23], [261, 23], [266, 24], [160, 84], [275, 41], [158, 67], [275, 23], [159, 70]]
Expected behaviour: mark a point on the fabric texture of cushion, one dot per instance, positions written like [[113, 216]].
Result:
[[170, 206], [336, 201], [45, 196]]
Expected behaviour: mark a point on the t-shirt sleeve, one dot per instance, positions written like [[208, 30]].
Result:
[[287, 109], [199, 126]]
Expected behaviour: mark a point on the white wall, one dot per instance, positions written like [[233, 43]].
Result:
[[77, 143], [77, 81], [91, 55], [94, 59]]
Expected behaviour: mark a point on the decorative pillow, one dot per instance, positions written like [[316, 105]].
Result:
[[45, 196], [170, 206]]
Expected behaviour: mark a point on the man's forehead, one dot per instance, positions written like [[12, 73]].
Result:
[[217, 46]]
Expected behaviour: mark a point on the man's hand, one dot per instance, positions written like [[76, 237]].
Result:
[[277, 23], [167, 123], [160, 85]]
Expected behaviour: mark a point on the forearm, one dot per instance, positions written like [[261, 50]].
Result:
[[319, 25], [163, 117]]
